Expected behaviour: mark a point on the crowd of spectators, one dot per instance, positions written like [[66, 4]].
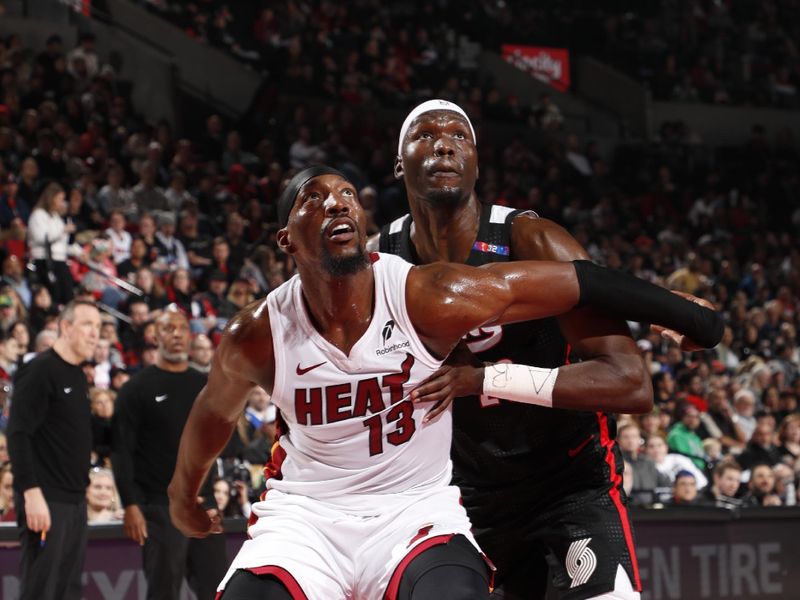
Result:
[[366, 53], [347, 50], [721, 52], [95, 202], [742, 53]]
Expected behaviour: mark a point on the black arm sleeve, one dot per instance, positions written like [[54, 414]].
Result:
[[29, 404], [634, 299], [125, 427]]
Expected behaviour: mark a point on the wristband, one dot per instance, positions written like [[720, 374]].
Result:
[[520, 383]]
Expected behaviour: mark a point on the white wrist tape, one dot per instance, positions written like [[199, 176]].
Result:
[[520, 383]]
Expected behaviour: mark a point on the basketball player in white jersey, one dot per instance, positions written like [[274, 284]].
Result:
[[359, 503]]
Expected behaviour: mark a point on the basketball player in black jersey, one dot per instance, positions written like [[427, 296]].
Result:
[[542, 484]]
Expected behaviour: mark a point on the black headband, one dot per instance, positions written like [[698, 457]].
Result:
[[286, 201]]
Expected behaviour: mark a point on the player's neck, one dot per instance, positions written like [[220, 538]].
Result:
[[445, 231], [340, 303]]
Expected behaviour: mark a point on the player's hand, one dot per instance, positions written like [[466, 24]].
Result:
[[191, 518], [134, 524], [446, 384], [462, 375], [683, 342], [37, 513]]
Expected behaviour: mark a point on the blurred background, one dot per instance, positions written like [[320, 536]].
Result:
[[662, 134]]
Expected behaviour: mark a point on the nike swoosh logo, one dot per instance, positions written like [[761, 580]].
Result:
[[573, 452], [67, 390], [161, 398], [301, 371]]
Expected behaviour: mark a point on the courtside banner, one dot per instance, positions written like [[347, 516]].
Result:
[[550, 65], [691, 553]]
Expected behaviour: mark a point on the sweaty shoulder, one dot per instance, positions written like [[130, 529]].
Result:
[[446, 300], [533, 238], [245, 349]]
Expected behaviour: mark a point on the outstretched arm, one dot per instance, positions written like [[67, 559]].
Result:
[[445, 301], [243, 360], [611, 375]]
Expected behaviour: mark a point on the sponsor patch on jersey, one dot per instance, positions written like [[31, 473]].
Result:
[[392, 348], [491, 248]]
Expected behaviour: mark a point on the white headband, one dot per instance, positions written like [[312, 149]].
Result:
[[429, 106]]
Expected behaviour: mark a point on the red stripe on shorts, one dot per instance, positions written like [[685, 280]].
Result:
[[284, 577], [394, 583], [616, 481]]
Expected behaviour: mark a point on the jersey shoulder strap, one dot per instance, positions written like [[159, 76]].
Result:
[[396, 238], [493, 243]]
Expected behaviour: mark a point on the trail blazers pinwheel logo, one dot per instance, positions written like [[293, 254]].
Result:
[[581, 562]]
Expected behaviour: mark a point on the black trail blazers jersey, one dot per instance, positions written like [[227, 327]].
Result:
[[511, 457]]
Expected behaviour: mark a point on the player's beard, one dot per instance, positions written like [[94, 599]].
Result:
[[340, 266]]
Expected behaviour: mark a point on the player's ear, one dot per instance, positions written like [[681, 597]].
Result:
[[398, 168], [284, 242], [477, 173]]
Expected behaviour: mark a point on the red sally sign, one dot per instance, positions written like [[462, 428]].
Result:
[[550, 65]]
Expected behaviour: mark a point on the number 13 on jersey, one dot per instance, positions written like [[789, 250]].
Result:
[[402, 414]]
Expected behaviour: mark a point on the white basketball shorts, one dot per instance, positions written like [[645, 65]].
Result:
[[320, 551]]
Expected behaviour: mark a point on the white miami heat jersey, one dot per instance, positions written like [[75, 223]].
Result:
[[353, 431]]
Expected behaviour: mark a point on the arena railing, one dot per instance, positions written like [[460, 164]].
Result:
[[683, 552]]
